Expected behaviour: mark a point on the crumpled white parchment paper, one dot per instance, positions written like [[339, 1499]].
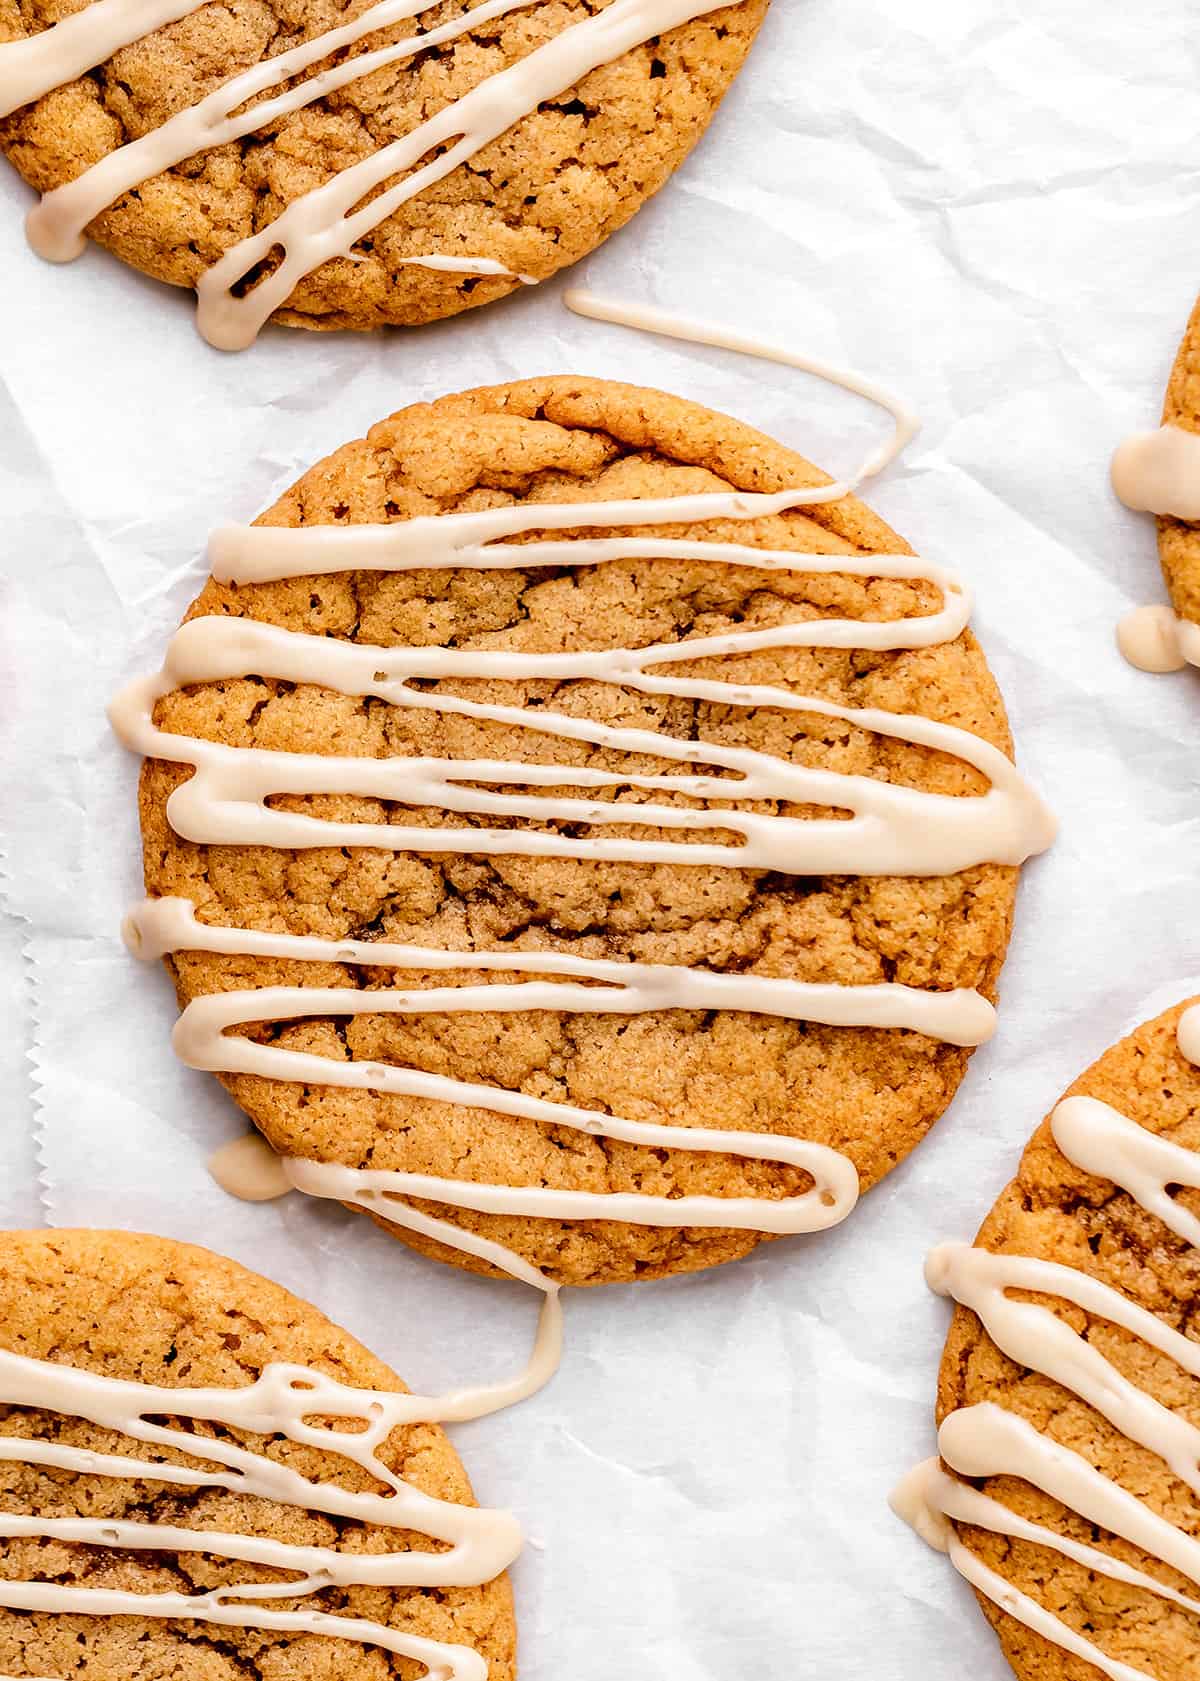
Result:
[[996, 210]]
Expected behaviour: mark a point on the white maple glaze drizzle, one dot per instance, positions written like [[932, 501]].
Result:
[[892, 829], [667, 323], [895, 829], [987, 1441], [466, 265], [243, 554], [32, 67], [1099, 1139], [159, 927], [328, 221], [480, 1543], [200, 1038]]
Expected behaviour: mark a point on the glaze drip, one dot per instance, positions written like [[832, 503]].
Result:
[[894, 830], [1152, 638]]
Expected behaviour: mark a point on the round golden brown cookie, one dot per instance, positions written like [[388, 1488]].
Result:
[[870, 1093], [537, 198], [1179, 540], [1055, 1211], [157, 1312]]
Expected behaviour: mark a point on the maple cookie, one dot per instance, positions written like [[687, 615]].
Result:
[[124, 1552], [579, 834], [1159, 472], [336, 164], [1070, 1386]]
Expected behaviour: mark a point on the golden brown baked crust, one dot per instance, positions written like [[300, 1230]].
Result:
[[1054, 1211], [166, 1313], [1179, 540], [537, 199], [870, 1093]]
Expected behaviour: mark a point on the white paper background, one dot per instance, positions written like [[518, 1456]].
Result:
[[995, 209]]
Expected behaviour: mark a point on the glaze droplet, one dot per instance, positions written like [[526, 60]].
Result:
[[248, 1168], [1148, 638]]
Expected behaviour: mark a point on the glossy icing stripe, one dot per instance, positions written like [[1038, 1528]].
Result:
[[443, 1660], [202, 1040], [1096, 1137], [56, 225], [895, 829], [666, 323], [832, 1197], [243, 554], [31, 67]]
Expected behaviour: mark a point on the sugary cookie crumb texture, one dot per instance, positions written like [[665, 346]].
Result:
[[158, 1312], [1179, 540], [537, 199], [869, 1093], [1057, 1212]]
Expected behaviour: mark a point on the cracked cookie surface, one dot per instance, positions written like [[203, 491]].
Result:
[[159, 1312], [1056, 1211], [535, 200], [870, 1093]]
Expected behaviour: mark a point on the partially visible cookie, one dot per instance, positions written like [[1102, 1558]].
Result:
[[1159, 472], [1179, 539], [149, 1311], [1069, 1393], [517, 143]]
